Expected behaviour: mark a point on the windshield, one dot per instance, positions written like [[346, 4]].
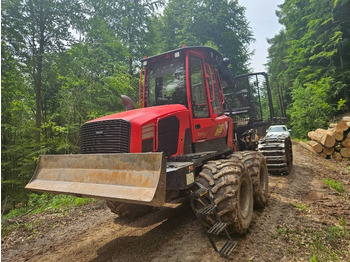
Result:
[[277, 129], [166, 83]]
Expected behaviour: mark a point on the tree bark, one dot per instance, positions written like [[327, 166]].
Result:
[[337, 134], [346, 118], [328, 151], [343, 126], [345, 152], [323, 155], [323, 138], [317, 147], [308, 147], [346, 142]]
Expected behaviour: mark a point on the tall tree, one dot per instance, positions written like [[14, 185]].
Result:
[[36, 29], [311, 57], [129, 20], [220, 24]]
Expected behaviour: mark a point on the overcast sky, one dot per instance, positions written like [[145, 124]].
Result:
[[264, 23]]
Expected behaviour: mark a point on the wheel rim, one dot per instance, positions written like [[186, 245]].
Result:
[[244, 199]]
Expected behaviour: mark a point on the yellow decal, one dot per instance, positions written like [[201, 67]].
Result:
[[219, 130]]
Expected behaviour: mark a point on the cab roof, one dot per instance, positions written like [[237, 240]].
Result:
[[209, 52]]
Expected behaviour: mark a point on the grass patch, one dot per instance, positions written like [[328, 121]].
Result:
[[348, 169], [282, 231], [300, 139], [301, 207], [39, 203], [336, 185], [319, 244]]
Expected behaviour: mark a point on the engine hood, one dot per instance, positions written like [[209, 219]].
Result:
[[144, 115]]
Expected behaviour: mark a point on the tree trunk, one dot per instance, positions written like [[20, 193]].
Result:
[[317, 147], [323, 155], [308, 147], [346, 142], [328, 151], [345, 152], [346, 118], [337, 134], [38, 77], [343, 126], [323, 138]]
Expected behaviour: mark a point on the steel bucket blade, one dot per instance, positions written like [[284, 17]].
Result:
[[138, 178]]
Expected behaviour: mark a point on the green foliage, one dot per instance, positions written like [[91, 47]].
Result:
[[310, 109], [220, 24], [311, 53], [336, 185], [39, 203]]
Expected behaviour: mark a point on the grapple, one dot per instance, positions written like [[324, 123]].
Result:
[[138, 178]]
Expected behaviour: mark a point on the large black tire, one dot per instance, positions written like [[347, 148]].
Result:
[[128, 210], [255, 164], [232, 191]]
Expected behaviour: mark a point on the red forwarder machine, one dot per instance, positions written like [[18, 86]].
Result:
[[181, 142]]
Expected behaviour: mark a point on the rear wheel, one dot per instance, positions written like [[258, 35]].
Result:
[[255, 164], [232, 192], [128, 210]]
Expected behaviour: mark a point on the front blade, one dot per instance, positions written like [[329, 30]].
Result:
[[134, 178]]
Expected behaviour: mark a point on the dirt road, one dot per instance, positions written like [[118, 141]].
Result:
[[304, 219]]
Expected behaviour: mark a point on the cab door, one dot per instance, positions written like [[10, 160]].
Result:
[[208, 120]]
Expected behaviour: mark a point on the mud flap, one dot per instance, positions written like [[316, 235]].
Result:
[[133, 178]]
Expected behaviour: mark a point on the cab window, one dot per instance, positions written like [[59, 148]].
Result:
[[198, 90]]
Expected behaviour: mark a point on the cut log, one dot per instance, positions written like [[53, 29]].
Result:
[[328, 151], [336, 156], [317, 147], [342, 125], [308, 147], [337, 134], [346, 142], [346, 118], [323, 138], [322, 155], [345, 152], [332, 125]]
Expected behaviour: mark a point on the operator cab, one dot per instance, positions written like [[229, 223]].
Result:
[[189, 76]]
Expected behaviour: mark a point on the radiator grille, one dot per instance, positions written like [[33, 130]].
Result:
[[109, 136]]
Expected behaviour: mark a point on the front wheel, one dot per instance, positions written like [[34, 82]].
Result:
[[231, 189]]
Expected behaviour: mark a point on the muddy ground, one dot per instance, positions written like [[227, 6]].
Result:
[[305, 220]]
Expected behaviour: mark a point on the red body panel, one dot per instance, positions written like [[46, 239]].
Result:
[[144, 124]]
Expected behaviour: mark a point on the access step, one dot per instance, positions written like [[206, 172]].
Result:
[[200, 192], [217, 228], [227, 248], [206, 210]]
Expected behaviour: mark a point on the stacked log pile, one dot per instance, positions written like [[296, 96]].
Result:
[[332, 143]]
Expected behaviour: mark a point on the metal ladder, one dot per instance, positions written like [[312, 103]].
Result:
[[208, 208]]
